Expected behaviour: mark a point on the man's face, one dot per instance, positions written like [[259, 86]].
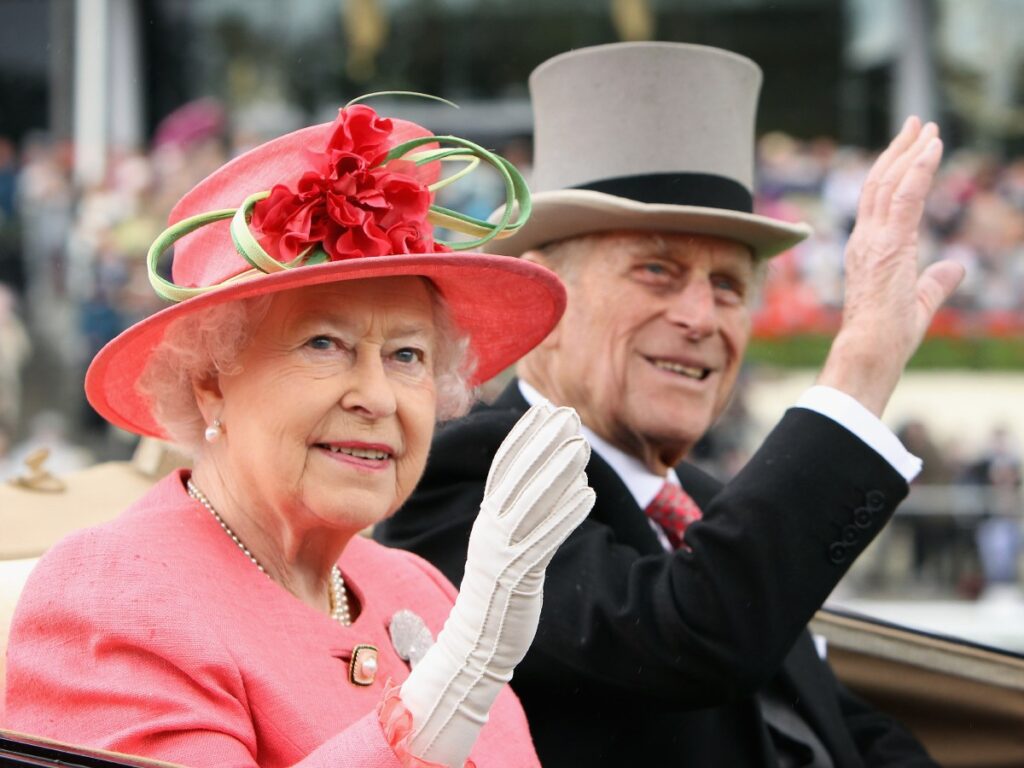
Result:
[[652, 339]]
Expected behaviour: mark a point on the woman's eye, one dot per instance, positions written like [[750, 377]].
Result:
[[322, 343], [408, 355]]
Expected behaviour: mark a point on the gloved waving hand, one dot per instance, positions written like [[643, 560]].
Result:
[[536, 494]]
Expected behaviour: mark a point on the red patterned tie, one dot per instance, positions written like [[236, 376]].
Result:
[[673, 510]]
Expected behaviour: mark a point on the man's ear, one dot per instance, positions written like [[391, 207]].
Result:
[[209, 398], [539, 257], [536, 257]]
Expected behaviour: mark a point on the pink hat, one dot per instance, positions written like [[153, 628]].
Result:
[[347, 200]]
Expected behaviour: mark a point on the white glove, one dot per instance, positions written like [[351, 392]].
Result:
[[536, 495]]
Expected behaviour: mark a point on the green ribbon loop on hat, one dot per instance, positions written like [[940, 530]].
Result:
[[164, 288], [517, 193], [452, 148]]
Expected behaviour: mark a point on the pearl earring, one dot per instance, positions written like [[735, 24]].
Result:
[[213, 432]]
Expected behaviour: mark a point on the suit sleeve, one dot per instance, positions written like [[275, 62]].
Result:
[[694, 628], [123, 676]]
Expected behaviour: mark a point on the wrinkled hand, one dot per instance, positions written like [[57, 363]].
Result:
[[888, 305], [536, 494]]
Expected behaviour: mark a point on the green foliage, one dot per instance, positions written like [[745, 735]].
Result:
[[994, 354]]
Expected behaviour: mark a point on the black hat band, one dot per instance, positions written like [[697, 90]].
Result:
[[704, 190]]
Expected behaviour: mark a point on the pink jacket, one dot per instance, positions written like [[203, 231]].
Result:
[[154, 635]]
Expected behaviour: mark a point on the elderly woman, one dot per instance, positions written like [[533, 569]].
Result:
[[233, 616]]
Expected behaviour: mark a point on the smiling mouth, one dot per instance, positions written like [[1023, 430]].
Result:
[[689, 371], [369, 454]]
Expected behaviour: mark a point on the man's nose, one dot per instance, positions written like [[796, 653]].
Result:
[[368, 390], [693, 308]]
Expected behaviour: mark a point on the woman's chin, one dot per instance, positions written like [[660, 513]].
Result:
[[351, 510]]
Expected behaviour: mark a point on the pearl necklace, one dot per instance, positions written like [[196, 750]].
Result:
[[338, 594]]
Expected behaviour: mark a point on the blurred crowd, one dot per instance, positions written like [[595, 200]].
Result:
[[975, 216], [965, 511], [73, 273]]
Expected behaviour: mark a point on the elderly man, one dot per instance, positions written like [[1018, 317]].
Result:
[[678, 637]]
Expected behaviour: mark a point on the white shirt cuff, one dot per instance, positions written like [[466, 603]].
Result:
[[850, 414]]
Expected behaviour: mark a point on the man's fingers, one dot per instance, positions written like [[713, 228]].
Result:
[[897, 170], [934, 286], [899, 198], [907, 205], [902, 162], [902, 140]]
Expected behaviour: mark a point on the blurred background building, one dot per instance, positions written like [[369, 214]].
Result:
[[111, 109]]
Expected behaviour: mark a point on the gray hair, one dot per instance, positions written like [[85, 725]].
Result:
[[209, 342]]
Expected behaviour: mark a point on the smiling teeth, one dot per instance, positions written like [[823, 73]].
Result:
[[360, 453], [693, 373]]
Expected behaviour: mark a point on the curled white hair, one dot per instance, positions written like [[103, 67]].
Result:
[[209, 342]]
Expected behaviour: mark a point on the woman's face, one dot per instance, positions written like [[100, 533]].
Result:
[[330, 418]]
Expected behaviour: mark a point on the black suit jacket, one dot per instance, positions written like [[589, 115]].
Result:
[[648, 658]]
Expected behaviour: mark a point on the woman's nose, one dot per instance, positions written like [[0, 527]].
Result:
[[368, 391]]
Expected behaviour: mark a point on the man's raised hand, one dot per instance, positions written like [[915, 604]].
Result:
[[888, 304]]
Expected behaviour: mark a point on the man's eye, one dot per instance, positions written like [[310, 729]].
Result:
[[729, 286], [654, 273]]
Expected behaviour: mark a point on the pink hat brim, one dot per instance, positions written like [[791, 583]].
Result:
[[505, 306]]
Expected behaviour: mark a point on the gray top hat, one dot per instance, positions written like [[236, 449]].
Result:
[[646, 136]]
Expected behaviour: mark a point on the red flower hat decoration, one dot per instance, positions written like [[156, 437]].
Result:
[[351, 203]]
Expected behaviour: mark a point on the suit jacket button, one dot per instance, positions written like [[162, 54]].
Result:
[[850, 534], [837, 553], [862, 517], [875, 501]]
